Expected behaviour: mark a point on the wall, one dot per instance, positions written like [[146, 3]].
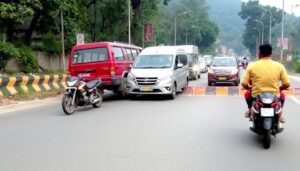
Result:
[[49, 62]]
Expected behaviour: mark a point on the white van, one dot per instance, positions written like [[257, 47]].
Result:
[[158, 70], [192, 53]]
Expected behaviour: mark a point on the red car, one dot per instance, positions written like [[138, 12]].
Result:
[[108, 61], [224, 70]]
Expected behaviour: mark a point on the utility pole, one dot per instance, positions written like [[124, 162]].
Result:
[[62, 39], [129, 23]]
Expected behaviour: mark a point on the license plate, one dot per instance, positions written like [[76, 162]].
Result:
[[267, 112], [84, 74], [222, 78], [146, 88]]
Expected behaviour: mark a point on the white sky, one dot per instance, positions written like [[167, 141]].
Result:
[[289, 5]]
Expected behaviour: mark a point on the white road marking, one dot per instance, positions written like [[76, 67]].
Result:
[[295, 99]]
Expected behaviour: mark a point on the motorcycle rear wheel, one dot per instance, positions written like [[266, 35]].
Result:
[[67, 106]]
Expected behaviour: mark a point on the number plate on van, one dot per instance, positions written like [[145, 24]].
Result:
[[84, 74], [146, 88]]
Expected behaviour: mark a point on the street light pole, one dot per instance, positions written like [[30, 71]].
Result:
[[259, 37], [270, 28], [262, 32], [282, 32], [186, 34], [175, 25]]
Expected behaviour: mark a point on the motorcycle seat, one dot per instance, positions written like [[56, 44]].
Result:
[[92, 84]]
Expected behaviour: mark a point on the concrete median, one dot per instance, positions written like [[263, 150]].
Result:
[[10, 86]]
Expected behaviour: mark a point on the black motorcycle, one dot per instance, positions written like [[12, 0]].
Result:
[[81, 93], [265, 116]]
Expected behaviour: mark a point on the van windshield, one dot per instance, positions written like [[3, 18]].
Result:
[[90, 55], [154, 61]]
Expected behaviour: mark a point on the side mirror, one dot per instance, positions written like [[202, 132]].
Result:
[[208, 65], [130, 66], [180, 65]]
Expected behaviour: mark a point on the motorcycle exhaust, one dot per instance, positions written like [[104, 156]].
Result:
[[96, 100]]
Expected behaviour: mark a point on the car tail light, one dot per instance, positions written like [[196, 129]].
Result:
[[112, 71]]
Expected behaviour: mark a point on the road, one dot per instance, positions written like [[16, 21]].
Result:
[[190, 133]]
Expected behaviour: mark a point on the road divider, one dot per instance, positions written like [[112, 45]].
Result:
[[10, 86], [226, 91]]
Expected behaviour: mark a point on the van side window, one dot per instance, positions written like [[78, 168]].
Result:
[[134, 53], [90, 55], [118, 53], [183, 59], [129, 54]]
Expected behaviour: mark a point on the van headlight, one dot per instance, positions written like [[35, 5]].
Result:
[[166, 78], [130, 76]]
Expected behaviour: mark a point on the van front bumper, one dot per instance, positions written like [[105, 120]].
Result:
[[163, 88]]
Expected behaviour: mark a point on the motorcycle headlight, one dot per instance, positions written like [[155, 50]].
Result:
[[71, 83], [267, 100]]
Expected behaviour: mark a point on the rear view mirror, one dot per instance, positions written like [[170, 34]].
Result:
[[180, 65]]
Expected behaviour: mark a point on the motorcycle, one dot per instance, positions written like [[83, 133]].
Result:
[[244, 64], [265, 112], [81, 93]]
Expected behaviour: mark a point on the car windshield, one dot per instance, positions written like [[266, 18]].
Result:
[[224, 62], [154, 61]]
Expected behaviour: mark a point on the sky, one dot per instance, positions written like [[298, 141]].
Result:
[[289, 5]]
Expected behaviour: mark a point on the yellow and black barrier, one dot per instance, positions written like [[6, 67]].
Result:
[[10, 86], [226, 91]]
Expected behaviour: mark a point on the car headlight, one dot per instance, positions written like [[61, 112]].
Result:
[[130, 76], [210, 71], [235, 71]]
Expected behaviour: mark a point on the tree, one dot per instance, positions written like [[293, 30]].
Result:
[[14, 13], [254, 13]]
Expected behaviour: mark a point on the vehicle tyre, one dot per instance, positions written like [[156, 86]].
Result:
[[121, 91], [67, 106], [186, 85], [267, 139], [199, 75], [174, 92], [236, 83], [131, 96], [99, 95], [209, 83]]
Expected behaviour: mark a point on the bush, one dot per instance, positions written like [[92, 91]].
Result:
[[7, 52], [27, 60], [49, 44], [296, 65]]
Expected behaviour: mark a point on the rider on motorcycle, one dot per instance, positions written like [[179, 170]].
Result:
[[265, 75]]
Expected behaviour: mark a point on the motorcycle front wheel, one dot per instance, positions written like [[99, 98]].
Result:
[[99, 97], [67, 106], [267, 139]]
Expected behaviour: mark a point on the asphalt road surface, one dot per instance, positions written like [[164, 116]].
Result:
[[190, 133]]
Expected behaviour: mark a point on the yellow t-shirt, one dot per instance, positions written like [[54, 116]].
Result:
[[266, 76]]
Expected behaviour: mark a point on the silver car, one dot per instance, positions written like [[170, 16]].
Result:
[[161, 70]]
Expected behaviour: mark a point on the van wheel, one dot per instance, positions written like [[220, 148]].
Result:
[[121, 91], [174, 92]]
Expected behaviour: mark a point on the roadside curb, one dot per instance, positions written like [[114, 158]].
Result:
[[22, 105]]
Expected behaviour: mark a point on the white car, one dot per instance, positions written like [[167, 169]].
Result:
[[203, 65]]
